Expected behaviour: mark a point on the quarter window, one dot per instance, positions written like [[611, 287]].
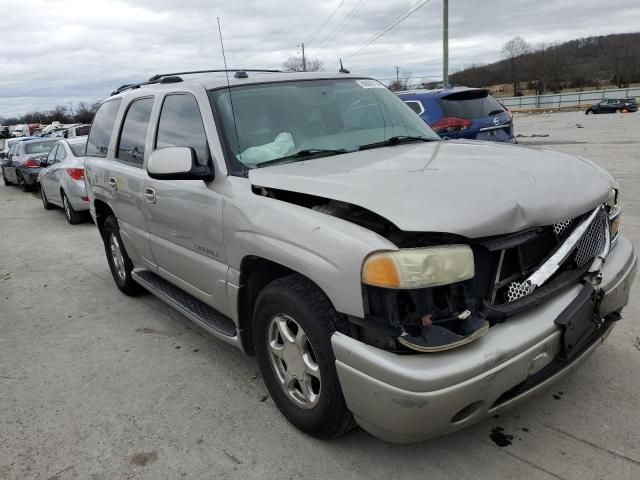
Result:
[[61, 154], [134, 132], [102, 128], [181, 125]]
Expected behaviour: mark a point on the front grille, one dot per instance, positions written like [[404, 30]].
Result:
[[511, 283], [593, 241]]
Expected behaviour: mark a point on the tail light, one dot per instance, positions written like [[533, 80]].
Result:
[[451, 124], [510, 115], [76, 173], [31, 163]]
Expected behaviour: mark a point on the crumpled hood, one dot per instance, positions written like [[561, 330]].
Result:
[[469, 188]]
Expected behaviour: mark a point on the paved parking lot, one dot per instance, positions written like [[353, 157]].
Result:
[[94, 384]]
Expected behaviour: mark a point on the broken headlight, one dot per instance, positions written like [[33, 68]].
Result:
[[412, 268]]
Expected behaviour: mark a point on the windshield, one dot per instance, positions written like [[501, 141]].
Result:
[[298, 120], [39, 147], [78, 149]]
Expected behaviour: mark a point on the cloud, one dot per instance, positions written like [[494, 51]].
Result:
[[56, 50]]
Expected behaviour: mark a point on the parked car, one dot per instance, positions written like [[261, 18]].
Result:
[[379, 274], [462, 112], [20, 131], [4, 153], [22, 165], [61, 180], [614, 105], [80, 130]]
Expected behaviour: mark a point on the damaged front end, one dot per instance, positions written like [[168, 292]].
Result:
[[503, 276], [440, 291]]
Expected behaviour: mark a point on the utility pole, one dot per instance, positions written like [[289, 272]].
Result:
[[397, 74], [304, 60], [445, 43]]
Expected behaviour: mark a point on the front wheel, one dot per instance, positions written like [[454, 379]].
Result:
[[293, 322], [119, 262], [45, 202]]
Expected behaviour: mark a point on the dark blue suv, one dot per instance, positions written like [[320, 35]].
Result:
[[462, 112]]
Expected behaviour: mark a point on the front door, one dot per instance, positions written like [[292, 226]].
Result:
[[184, 217]]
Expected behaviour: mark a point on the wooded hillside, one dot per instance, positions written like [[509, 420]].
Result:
[[592, 62]]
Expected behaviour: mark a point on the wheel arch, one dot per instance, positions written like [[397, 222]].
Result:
[[102, 211], [256, 273]]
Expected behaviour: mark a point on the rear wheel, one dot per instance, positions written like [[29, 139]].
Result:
[[293, 324], [21, 183], [119, 262], [43, 196], [73, 217]]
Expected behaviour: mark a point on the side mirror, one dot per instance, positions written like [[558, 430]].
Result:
[[177, 163]]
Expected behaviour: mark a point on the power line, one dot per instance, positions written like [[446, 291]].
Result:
[[413, 9], [317, 32], [340, 26]]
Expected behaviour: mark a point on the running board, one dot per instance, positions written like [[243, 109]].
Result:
[[195, 310]]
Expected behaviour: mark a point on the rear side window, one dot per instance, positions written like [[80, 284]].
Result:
[[134, 132], [416, 106], [61, 154], [102, 128], [181, 126], [470, 104]]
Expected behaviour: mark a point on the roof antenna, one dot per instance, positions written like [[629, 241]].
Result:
[[233, 113], [342, 69]]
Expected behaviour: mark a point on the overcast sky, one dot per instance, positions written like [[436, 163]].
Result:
[[56, 51]]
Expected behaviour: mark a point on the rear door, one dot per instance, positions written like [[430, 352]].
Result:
[[46, 177], [57, 172], [185, 216], [115, 150]]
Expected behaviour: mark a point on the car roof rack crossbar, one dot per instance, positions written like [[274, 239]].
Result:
[[193, 72]]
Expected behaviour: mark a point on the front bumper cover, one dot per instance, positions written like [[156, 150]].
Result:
[[411, 398]]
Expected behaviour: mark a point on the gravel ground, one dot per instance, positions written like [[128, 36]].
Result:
[[96, 385]]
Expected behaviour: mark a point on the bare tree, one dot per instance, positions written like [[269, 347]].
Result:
[[513, 51], [294, 64], [401, 83]]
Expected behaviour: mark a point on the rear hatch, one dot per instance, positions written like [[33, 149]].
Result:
[[476, 115]]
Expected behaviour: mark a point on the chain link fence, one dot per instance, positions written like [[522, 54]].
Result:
[[573, 99]]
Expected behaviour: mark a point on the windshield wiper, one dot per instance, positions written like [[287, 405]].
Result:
[[494, 112], [307, 152], [394, 141]]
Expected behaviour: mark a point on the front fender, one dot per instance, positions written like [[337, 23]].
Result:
[[327, 250]]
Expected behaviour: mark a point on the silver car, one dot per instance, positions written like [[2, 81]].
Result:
[[61, 182], [381, 275]]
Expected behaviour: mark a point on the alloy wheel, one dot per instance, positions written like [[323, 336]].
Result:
[[117, 257], [293, 361]]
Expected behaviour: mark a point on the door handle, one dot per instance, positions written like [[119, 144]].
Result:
[[149, 195], [113, 183]]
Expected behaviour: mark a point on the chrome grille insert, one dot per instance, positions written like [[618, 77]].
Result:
[[587, 241]]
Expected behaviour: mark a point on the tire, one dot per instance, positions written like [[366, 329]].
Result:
[[301, 306], [589, 112], [43, 196], [122, 272], [72, 216], [21, 183]]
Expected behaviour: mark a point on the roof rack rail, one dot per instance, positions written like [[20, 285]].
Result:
[[174, 78], [257, 70]]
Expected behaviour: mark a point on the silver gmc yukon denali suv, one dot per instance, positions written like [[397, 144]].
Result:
[[381, 276]]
